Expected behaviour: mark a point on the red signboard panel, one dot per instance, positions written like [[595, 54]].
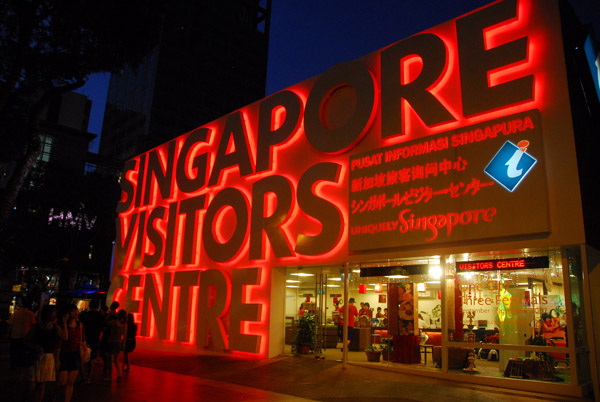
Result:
[[435, 190]]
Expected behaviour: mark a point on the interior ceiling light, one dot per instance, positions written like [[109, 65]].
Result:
[[292, 281], [335, 279], [333, 286], [292, 286], [435, 271], [397, 276], [301, 274]]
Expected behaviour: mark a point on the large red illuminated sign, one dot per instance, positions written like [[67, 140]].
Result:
[[204, 217]]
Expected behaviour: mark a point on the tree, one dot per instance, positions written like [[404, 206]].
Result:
[[48, 47]]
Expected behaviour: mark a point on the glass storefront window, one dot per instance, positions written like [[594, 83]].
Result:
[[512, 299], [405, 321], [514, 305], [498, 313]]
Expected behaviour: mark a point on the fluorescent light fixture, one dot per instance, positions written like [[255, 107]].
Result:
[[397, 276], [292, 281], [333, 286], [356, 271], [335, 279], [292, 286], [301, 274]]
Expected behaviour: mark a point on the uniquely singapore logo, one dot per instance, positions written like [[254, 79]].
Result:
[[511, 164]]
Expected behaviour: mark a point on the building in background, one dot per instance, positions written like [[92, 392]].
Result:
[[211, 60], [62, 227], [65, 138]]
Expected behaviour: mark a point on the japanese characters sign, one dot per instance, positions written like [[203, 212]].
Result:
[[436, 189]]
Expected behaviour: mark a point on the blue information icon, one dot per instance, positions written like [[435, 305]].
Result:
[[510, 165]]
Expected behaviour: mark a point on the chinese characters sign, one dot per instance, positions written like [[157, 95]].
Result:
[[436, 190]]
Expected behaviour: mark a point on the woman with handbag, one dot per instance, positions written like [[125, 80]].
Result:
[[69, 356]]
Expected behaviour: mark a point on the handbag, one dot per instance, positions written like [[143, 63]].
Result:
[[84, 350]]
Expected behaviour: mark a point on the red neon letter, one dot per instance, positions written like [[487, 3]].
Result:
[[213, 303], [476, 61], [241, 311]]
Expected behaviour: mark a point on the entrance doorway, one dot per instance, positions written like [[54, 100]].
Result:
[[311, 296]]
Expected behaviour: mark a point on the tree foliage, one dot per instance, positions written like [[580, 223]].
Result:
[[48, 47]]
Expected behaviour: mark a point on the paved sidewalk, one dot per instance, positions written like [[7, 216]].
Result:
[[157, 376]]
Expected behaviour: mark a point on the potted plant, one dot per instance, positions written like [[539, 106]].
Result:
[[386, 348], [373, 354], [305, 337]]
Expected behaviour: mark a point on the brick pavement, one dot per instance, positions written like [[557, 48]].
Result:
[[158, 376]]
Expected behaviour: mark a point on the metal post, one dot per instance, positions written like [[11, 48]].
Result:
[[569, 307], [345, 336], [589, 317], [444, 322]]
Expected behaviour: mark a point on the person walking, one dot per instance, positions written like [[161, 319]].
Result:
[[109, 314], [129, 341], [339, 320], [69, 356], [46, 335], [93, 323], [352, 314], [116, 342], [23, 353]]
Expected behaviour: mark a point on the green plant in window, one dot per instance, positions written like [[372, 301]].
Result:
[[371, 348], [386, 344], [305, 337]]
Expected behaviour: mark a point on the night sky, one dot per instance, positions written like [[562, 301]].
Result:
[[309, 36]]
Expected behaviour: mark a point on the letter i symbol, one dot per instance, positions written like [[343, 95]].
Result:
[[510, 164], [513, 162]]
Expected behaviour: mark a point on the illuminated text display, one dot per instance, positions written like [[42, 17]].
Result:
[[204, 218], [504, 264]]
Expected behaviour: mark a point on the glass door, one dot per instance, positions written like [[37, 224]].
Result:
[[311, 295]]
